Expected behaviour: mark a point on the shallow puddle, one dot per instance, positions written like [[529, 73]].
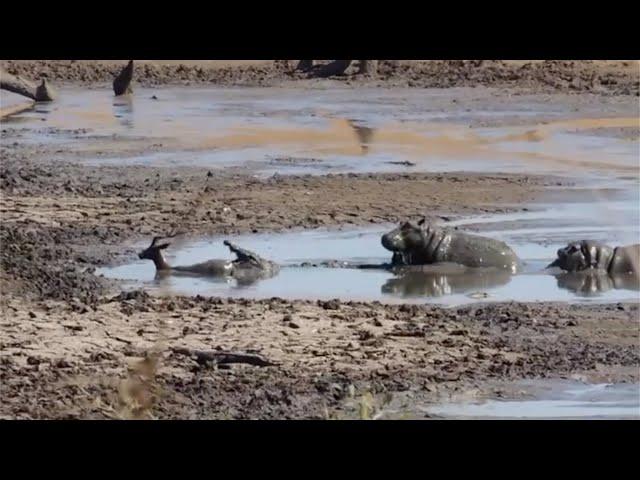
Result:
[[552, 400], [536, 246]]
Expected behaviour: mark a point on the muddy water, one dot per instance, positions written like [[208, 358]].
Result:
[[551, 400], [296, 131], [535, 236], [289, 131]]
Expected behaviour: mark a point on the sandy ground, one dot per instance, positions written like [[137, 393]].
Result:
[[74, 346]]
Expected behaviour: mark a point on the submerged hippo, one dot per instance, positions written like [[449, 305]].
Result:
[[246, 268], [424, 244], [593, 255]]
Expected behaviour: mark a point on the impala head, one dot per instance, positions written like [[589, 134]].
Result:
[[153, 250]]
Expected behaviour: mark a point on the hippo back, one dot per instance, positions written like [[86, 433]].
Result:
[[625, 260], [476, 251]]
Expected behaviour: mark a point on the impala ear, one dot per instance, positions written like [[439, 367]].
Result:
[[163, 246]]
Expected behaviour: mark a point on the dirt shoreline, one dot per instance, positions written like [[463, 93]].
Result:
[[74, 346], [602, 77], [103, 361]]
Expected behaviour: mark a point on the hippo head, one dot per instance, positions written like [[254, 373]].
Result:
[[408, 236], [582, 255], [570, 258]]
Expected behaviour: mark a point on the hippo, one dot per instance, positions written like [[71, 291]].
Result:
[[424, 243], [593, 255]]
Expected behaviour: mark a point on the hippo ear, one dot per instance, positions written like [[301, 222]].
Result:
[[422, 221]]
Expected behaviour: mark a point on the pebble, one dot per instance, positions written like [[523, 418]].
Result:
[[330, 305]]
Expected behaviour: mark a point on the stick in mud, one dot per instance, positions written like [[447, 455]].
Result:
[[203, 357], [21, 86], [337, 67], [122, 83], [368, 67], [304, 65]]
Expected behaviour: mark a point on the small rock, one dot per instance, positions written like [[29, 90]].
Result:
[[293, 325], [459, 332], [330, 304], [32, 315], [62, 363], [33, 361]]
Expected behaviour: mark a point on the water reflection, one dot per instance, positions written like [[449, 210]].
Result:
[[439, 284], [364, 134], [589, 284], [242, 278], [44, 108], [123, 110]]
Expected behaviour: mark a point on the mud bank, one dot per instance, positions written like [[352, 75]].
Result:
[[60, 363], [92, 355], [602, 77]]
